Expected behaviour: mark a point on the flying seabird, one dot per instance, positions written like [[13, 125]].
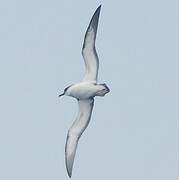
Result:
[[84, 92]]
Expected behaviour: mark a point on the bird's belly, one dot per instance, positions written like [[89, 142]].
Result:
[[82, 91], [82, 94]]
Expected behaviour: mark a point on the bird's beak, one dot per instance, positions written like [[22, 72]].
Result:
[[61, 95]]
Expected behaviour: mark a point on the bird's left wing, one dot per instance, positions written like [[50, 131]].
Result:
[[76, 130]]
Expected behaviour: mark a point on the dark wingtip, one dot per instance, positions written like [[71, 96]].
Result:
[[99, 7], [97, 12], [93, 24], [69, 171], [69, 174], [68, 166], [95, 19]]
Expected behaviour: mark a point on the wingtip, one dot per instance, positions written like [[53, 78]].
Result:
[[69, 173], [95, 17], [93, 24], [70, 151], [69, 169], [98, 10], [99, 7], [69, 164]]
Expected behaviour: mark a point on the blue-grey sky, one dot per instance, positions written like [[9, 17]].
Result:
[[133, 133]]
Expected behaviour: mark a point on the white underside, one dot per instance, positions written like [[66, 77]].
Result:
[[84, 92]]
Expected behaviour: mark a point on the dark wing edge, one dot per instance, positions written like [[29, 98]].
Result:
[[91, 31]]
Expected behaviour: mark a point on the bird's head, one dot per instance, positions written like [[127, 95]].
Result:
[[65, 91]]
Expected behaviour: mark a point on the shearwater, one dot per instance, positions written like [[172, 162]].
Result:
[[84, 92]]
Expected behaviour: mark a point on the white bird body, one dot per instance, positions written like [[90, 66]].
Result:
[[84, 92]]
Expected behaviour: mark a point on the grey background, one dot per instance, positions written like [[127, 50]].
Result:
[[133, 134]]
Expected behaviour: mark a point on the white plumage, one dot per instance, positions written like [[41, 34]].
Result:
[[84, 92]]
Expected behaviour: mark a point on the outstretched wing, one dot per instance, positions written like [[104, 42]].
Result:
[[89, 51], [76, 130]]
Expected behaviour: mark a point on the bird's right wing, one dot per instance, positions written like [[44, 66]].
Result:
[[89, 51], [76, 130]]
